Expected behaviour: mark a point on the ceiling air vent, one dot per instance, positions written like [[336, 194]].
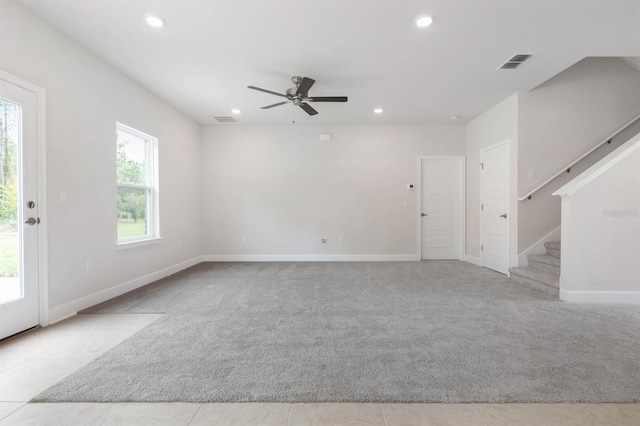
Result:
[[515, 61], [225, 119]]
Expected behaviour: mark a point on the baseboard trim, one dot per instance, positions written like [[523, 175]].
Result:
[[473, 260], [69, 309], [310, 258], [625, 297]]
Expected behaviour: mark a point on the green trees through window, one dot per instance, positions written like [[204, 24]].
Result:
[[8, 164], [9, 114], [135, 165]]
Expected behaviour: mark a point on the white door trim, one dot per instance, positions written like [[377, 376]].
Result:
[[508, 204], [463, 216], [43, 264]]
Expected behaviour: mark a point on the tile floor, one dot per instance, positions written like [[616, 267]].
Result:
[[36, 360]]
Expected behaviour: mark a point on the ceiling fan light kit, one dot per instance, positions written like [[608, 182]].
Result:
[[299, 95]]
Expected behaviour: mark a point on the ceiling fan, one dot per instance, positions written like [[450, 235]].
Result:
[[299, 95]]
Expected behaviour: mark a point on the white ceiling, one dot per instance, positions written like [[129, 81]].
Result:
[[369, 50]]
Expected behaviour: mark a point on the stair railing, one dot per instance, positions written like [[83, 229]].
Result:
[[567, 168]]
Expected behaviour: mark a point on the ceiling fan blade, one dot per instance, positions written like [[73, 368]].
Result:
[[266, 91], [275, 105], [327, 99], [304, 86], [308, 109]]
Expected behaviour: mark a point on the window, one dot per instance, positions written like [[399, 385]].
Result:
[[136, 163]]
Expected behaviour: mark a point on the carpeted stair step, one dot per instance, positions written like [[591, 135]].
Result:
[[537, 279], [553, 248], [544, 262]]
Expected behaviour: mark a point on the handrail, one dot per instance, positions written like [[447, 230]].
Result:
[[568, 168]]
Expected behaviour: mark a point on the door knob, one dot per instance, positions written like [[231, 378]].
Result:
[[424, 214], [504, 215], [32, 221]]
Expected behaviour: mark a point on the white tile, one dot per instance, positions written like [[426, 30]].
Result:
[[140, 414], [430, 414], [532, 414], [227, 414], [52, 353], [56, 414], [7, 408], [92, 331], [9, 362], [321, 414], [96, 330], [20, 348], [610, 414], [27, 379]]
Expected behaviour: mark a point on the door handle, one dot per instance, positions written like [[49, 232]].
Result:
[[504, 215], [424, 214], [32, 221]]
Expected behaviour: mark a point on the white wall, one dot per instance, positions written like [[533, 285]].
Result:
[[282, 188], [85, 98], [561, 120], [601, 231], [498, 124]]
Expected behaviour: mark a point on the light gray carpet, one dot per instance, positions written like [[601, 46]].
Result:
[[441, 331]]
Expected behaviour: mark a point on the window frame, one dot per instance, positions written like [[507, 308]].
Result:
[[152, 215]]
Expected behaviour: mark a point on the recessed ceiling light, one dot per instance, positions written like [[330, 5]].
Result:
[[378, 110], [236, 111], [455, 117], [423, 21], [155, 21]]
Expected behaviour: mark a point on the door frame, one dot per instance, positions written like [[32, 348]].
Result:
[[463, 209], [43, 261], [506, 142]]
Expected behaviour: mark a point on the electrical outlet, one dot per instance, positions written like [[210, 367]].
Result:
[[244, 239], [89, 265], [532, 175], [64, 197], [340, 239]]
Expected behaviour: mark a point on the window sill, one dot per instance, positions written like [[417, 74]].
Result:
[[138, 243]]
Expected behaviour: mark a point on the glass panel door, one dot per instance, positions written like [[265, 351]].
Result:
[[19, 235], [10, 283]]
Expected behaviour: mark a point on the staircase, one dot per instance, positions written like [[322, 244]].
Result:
[[543, 272]]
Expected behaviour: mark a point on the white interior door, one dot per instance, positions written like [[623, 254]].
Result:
[[494, 183], [441, 215], [19, 298]]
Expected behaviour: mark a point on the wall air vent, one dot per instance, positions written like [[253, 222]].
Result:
[[225, 119], [515, 61]]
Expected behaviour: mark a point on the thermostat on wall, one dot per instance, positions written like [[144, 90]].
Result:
[[409, 186]]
